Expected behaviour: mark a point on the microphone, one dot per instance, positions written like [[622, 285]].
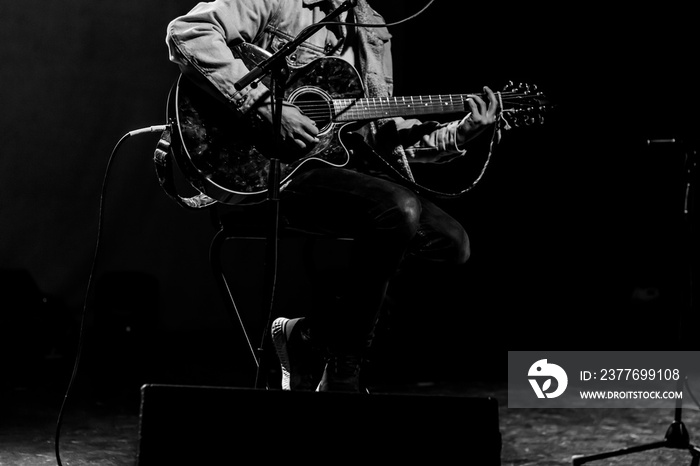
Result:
[[651, 142], [150, 129]]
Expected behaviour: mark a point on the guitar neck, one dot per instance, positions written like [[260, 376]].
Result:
[[387, 107]]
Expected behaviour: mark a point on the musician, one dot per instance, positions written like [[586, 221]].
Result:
[[388, 220]]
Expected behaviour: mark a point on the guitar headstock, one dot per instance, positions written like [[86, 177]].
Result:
[[523, 104]]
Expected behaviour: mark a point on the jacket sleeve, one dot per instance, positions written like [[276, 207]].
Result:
[[200, 44], [429, 141]]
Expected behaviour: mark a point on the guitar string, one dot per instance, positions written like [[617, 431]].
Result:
[[419, 105], [419, 101], [433, 97], [428, 100], [326, 115], [415, 110]]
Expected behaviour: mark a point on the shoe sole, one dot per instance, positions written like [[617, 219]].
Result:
[[279, 339]]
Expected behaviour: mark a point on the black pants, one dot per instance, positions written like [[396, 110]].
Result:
[[388, 222]]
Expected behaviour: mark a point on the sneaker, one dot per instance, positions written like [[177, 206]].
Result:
[[341, 374], [300, 362]]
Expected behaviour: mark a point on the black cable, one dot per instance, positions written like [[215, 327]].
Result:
[[81, 335], [373, 25]]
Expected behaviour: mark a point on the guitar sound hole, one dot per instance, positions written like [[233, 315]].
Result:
[[316, 105]]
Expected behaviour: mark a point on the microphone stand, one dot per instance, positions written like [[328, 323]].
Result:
[[677, 435], [276, 68]]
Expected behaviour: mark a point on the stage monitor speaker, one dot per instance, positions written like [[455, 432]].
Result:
[[198, 425]]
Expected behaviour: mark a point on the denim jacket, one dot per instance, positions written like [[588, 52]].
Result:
[[200, 43]]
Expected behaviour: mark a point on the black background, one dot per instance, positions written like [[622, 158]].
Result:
[[578, 229]]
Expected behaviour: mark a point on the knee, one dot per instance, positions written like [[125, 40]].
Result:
[[407, 211], [410, 208], [463, 247]]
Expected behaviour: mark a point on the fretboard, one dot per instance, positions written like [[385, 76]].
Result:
[[383, 107]]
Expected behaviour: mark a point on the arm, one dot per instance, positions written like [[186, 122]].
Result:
[[200, 44], [431, 142]]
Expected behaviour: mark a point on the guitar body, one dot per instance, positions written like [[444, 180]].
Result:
[[228, 157]]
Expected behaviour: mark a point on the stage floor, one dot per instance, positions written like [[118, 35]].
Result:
[[95, 434]]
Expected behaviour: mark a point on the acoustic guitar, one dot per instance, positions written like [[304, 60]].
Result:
[[228, 158]]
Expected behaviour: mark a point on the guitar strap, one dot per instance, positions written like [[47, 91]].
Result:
[[162, 158]]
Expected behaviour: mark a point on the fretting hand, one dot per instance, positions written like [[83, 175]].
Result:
[[481, 117]]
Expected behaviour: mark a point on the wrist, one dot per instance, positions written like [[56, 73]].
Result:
[[462, 133], [263, 110]]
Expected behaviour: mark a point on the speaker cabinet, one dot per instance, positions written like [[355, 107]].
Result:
[[220, 425]]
